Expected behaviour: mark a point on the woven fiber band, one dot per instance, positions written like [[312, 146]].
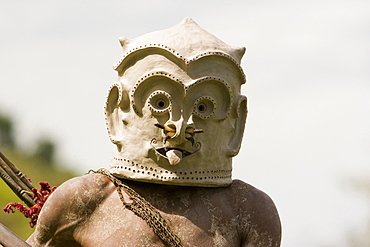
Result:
[[144, 210]]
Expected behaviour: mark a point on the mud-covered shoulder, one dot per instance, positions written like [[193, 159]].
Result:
[[261, 224], [245, 193], [69, 207], [87, 189]]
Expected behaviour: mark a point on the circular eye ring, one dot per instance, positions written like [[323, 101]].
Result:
[[159, 102], [204, 107]]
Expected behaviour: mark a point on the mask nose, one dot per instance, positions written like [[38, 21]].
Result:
[[180, 131], [177, 132]]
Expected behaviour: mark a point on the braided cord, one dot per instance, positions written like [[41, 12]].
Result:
[[144, 210]]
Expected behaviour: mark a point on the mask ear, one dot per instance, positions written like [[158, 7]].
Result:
[[236, 138], [116, 104]]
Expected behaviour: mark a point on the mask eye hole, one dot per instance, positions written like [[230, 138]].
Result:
[[159, 102], [204, 107]]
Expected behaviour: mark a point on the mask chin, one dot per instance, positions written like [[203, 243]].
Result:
[[187, 170]]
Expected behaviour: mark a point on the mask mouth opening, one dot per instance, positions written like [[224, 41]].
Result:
[[173, 154], [164, 150]]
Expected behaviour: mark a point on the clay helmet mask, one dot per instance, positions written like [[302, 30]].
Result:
[[175, 114]]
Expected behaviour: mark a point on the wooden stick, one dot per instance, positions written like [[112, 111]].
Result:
[[10, 239], [19, 191], [14, 179], [17, 172]]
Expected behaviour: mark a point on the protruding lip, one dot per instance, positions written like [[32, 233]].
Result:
[[162, 151]]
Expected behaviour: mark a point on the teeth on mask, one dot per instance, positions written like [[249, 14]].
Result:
[[174, 156]]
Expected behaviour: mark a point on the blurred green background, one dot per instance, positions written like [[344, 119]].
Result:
[[39, 164]]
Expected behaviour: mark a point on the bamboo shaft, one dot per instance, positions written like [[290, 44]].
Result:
[[19, 191], [15, 180], [16, 171], [10, 239]]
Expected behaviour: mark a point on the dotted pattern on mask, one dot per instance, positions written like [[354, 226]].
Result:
[[164, 174], [154, 94], [200, 114], [209, 78], [142, 79], [119, 88], [177, 54]]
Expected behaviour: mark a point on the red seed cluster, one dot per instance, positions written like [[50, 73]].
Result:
[[40, 196]]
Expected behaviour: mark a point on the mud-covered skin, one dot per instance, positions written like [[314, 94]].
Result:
[[87, 211]]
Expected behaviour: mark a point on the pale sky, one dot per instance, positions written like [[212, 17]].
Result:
[[307, 63]]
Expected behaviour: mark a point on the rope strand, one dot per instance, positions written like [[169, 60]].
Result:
[[144, 210]]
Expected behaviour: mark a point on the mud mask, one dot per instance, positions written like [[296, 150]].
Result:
[[175, 114]]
